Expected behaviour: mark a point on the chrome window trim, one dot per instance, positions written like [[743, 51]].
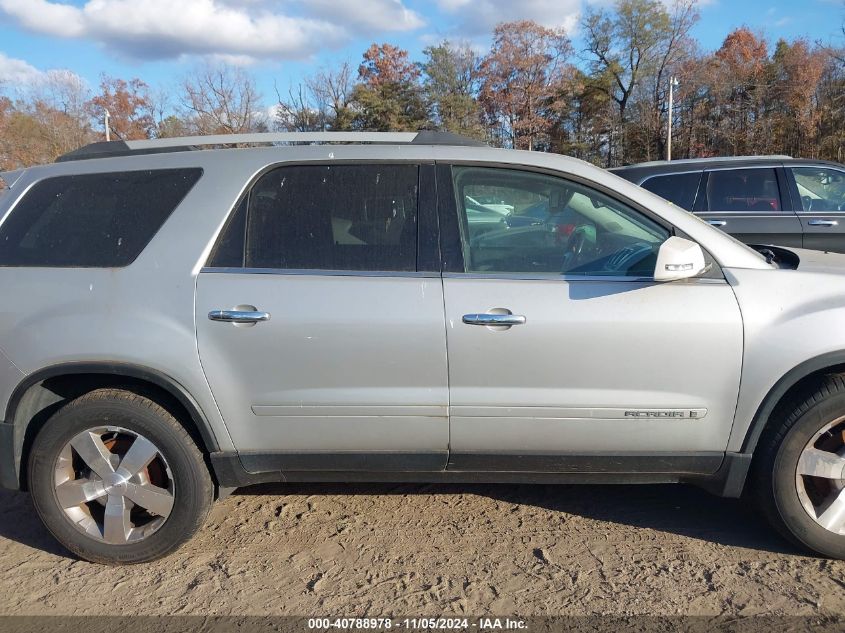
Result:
[[748, 214], [573, 278], [318, 272], [436, 275], [702, 169], [670, 173], [773, 166]]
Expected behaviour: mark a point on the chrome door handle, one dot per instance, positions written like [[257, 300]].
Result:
[[717, 222], [823, 222], [494, 319], [238, 316]]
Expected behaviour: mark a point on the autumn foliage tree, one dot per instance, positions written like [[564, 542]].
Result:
[[389, 95], [794, 115], [607, 103], [129, 106], [520, 78]]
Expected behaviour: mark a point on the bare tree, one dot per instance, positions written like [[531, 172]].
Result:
[[297, 112], [625, 44], [331, 90], [222, 99], [58, 106]]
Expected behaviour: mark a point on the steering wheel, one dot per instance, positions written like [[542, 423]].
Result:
[[807, 203], [576, 248]]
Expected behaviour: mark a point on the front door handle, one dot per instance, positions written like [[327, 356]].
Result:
[[494, 319], [717, 222], [238, 316], [822, 222]]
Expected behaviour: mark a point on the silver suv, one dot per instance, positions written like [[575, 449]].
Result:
[[178, 322]]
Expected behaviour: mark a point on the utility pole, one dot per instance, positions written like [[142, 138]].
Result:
[[107, 116], [673, 81]]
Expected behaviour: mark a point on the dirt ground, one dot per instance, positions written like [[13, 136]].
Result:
[[438, 550]]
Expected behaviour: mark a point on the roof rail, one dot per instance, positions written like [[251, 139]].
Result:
[[188, 143], [708, 159]]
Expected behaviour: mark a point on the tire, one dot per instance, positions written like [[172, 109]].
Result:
[[109, 525], [807, 509]]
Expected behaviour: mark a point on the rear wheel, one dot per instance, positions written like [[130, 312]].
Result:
[[117, 479], [799, 470]]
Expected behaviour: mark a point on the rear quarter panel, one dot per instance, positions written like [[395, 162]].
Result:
[[142, 314]]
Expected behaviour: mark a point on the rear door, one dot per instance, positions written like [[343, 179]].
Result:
[[819, 194], [322, 338], [750, 203]]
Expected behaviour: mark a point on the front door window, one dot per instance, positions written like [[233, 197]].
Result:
[[525, 222]]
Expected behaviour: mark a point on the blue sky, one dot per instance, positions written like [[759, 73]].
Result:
[[281, 41]]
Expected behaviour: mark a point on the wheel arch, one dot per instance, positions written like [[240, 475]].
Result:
[[794, 380], [44, 391]]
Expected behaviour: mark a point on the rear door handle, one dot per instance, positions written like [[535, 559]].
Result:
[[494, 319], [822, 222], [717, 222], [238, 316]]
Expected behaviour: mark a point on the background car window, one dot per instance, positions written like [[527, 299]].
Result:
[[318, 217], [553, 226], [677, 188], [743, 190], [820, 189], [92, 220]]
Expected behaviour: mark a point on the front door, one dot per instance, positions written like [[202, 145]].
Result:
[[564, 354], [821, 195], [322, 343]]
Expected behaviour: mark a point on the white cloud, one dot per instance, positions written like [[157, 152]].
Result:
[[243, 30], [46, 17], [480, 16], [367, 15], [17, 72]]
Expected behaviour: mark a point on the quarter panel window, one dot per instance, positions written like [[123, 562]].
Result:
[[679, 189], [523, 222], [92, 220], [320, 217], [743, 190], [820, 189]]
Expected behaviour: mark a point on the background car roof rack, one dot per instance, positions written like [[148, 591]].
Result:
[[705, 161], [105, 149]]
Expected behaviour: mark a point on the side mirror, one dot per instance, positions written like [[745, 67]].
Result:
[[678, 259]]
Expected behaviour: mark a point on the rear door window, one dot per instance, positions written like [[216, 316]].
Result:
[[325, 217], [752, 190], [679, 189], [92, 220]]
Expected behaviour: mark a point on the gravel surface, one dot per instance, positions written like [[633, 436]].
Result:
[[438, 550]]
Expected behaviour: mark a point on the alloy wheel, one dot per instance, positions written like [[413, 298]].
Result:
[[114, 484], [820, 477]]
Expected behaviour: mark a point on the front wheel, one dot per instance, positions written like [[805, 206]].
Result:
[[799, 469], [117, 479]]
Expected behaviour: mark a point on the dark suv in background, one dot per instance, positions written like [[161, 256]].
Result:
[[759, 200]]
